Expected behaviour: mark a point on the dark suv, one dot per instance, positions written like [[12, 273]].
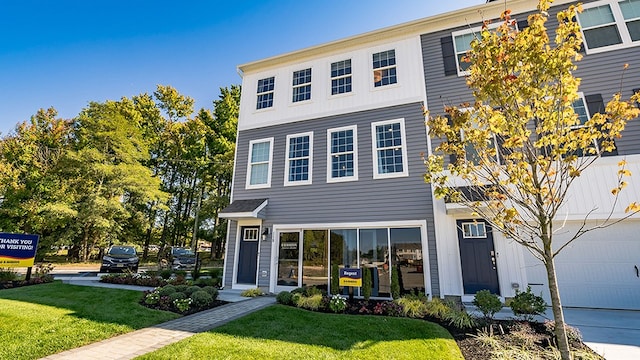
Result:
[[119, 258]]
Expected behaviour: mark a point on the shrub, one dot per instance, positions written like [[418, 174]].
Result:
[[388, 308], [201, 299], [337, 303], [460, 319], [335, 279], [181, 287], [313, 302], [182, 304], [195, 274], [207, 282], [366, 283], [395, 283], [213, 291], [296, 298], [437, 308], [152, 297], [488, 304], [191, 289], [215, 272], [573, 334], [412, 307], [176, 296], [284, 298], [165, 273], [167, 290], [526, 304], [181, 273], [252, 292]]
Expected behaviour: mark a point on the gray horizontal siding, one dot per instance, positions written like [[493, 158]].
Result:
[[600, 74], [368, 199]]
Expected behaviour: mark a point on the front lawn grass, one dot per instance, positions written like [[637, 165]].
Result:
[[45, 319], [283, 332]]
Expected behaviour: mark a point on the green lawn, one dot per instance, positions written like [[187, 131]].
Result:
[[281, 332], [45, 319]]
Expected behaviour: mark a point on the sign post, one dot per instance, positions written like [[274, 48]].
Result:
[[18, 250], [351, 278]]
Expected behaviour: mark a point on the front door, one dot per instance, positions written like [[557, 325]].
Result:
[[477, 256], [248, 255]]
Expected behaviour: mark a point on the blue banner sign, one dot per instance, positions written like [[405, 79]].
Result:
[[18, 250], [351, 277]]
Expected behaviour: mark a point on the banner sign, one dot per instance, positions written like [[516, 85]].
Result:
[[17, 250], [351, 277]]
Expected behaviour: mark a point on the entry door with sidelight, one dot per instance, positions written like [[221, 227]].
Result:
[[477, 256], [248, 255]]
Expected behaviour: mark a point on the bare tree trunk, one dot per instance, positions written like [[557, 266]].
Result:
[[556, 305]]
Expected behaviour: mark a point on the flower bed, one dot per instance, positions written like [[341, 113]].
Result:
[[10, 279], [182, 299]]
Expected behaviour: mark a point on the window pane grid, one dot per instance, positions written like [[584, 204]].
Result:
[[265, 93], [389, 148], [341, 77], [384, 68], [299, 158], [259, 163], [342, 154], [302, 85]]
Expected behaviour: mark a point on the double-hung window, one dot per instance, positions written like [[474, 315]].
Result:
[[610, 24], [389, 149], [341, 77], [299, 159], [265, 93], [259, 164], [342, 151], [384, 68], [302, 85]]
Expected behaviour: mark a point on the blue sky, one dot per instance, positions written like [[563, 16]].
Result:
[[66, 53]]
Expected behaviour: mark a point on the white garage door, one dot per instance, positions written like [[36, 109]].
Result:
[[599, 270]]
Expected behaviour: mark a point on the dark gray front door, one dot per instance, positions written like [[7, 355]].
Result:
[[248, 255], [477, 256]]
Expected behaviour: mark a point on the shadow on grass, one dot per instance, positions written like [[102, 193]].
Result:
[[337, 331]]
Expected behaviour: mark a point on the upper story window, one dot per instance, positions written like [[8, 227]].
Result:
[[580, 108], [299, 159], [610, 24], [302, 85], [384, 68], [341, 77], [462, 43], [259, 165], [389, 149], [265, 93], [342, 151]]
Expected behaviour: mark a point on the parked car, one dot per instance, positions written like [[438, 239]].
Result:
[[179, 258], [120, 258]]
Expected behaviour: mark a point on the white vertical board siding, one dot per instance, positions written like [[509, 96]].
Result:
[[409, 88]]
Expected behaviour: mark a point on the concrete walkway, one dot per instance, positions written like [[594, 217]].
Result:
[[140, 342]]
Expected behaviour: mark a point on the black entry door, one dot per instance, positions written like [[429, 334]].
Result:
[[248, 255], [477, 256]]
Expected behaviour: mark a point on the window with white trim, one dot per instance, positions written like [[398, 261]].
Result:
[[302, 85], [470, 151], [473, 230], [342, 151], [341, 77], [265, 93], [580, 107], [389, 149], [384, 68], [299, 159], [259, 165], [610, 24], [250, 234]]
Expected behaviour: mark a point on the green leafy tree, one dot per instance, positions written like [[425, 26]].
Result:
[[524, 89]]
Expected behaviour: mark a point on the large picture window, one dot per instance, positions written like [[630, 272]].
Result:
[[342, 150], [389, 149], [299, 159], [259, 165], [609, 25]]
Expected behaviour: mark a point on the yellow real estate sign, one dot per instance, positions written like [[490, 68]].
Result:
[[351, 277]]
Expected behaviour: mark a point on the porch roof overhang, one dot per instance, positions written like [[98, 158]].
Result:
[[244, 209]]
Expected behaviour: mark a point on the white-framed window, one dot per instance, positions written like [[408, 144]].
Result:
[[580, 107], [265, 93], [389, 149], [342, 154], [610, 24], [462, 43], [470, 152], [259, 164], [299, 159], [473, 230], [384, 68], [341, 77], [302, 85], [250, 234]]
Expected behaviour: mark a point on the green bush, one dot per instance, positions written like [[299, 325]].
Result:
[[167, 290], [412, 307], [165, 273], [252, 292], [437, 308], [181, 287], [284, 298], [395, 283], [488, 304], [191, 289], [335, 279], [201, 298], [312, 302], [366, 283], [6, 274], [460, 319], [213, 291], [307, 291], [177, 296], [215, 272], [207, 282], [527, 305]]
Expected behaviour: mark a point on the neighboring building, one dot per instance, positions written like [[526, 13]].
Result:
[[329, 167]]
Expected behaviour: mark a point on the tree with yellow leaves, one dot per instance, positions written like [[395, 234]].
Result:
[[524, 90]]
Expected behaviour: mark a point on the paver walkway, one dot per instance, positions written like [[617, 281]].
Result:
[[140, 342]]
